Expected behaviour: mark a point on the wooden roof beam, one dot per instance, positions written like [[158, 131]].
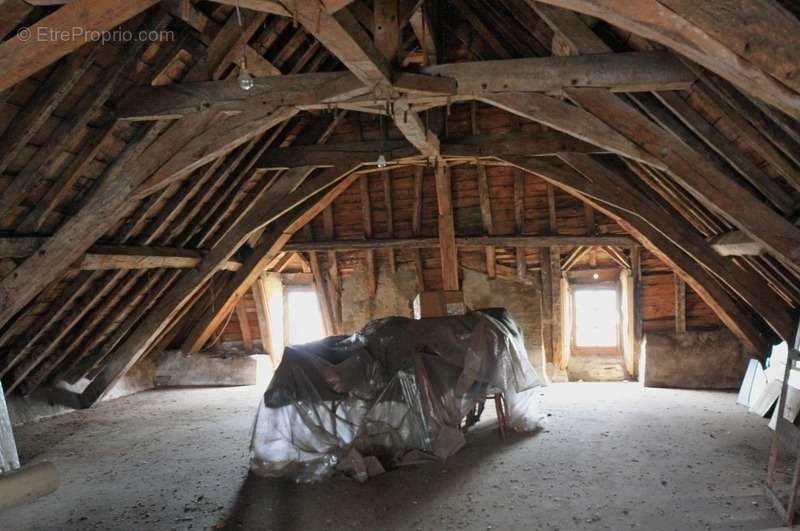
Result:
[[147, 164], [344, 37], [624, 72], [713, 188], [267, 209], [605, 200], [736, 243], [619, 72], [754, 44], [538, 144], [471, 242], [271, 244], [22, 56], [101, 257]]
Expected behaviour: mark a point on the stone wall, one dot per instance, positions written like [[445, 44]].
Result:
[[396, 291], [694, 360]]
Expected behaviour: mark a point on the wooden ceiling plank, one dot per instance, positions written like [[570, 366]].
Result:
[[54, 312], [476, 21], [79, 309], [210, 144], [97, 138], [80, 332]]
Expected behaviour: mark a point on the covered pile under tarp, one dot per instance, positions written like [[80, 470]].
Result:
[[395, 392]]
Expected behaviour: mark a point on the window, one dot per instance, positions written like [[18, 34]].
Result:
[[303, 316], [596, 317]]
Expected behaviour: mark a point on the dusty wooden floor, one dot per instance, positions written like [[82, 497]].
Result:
[[614, 456]]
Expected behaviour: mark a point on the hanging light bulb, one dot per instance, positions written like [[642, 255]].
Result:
[[381, 161], [245, 79]]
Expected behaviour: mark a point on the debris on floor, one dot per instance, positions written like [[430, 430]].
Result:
[[393, 394]]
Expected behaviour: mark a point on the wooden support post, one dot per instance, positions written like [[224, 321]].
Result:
[[416, 225], [387, 27], [322, 293], [366, 220], [423, 24], [387, 199], [553, 258], [636, 310], [559, 359], [680, 305], [244, 326], [486, 217], [447, 242], [257, 291], [519, 220], [547, 304], [333, 270]]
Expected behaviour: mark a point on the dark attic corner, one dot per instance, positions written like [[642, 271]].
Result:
[[399, 264]]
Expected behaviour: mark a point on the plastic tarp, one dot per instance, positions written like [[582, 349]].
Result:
[[393, 393]]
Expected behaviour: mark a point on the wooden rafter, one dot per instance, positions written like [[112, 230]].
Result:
[[53, 37], [701, 281], [147, 332], [719, 35], [272, 243]]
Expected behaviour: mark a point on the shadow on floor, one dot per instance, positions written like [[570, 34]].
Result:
[[342, 503]]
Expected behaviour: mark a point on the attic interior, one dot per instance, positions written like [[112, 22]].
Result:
[[195, 195]]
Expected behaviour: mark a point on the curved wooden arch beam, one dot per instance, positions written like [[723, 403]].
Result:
[[715, 190], [700, 280], [754, 44], [572, 120]]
